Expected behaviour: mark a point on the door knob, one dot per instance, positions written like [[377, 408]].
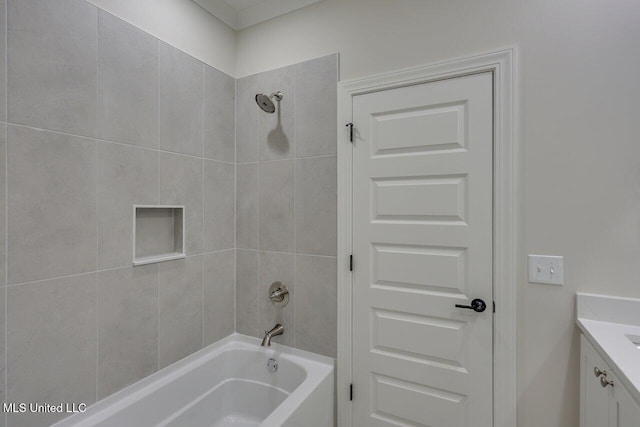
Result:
[[477, 305]]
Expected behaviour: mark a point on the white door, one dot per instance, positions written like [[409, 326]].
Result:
[[422, 238]]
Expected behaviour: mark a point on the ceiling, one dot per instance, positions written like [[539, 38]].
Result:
[[240, 14]]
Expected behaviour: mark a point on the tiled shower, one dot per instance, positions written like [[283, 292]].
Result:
[[97, 116], [286, 204]]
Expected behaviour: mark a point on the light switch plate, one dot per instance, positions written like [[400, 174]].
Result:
[[546, 269]]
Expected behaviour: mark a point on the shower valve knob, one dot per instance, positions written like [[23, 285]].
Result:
[[279, 294]]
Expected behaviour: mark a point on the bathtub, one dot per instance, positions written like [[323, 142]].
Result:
[[228, 383]]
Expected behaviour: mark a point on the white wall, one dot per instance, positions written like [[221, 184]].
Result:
[[580, 151], [182, 24]]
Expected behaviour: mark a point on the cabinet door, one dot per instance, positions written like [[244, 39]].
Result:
[[625, 411], [594, 399]]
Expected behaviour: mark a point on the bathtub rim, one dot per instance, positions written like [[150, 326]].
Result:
[[317, 367]]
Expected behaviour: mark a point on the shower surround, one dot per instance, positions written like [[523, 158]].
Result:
[[286, 204], [96, 116]]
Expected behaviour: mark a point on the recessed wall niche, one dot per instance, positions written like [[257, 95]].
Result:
[[158, 233]]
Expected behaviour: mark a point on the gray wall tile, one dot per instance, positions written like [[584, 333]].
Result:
[[315, 206], [180, 309], [247, 292], [3, 65], [128, 83], [3, 204], [316, 106], [276, 206], [52, 204], [316, 304], [51, 345], [219, 206], [246, 119], [126, 176], [276, 267], [276, 131], [247, 206], [219, 115], [219, 295], [52, 68], [181, 184], [127, 326], [181, 101]]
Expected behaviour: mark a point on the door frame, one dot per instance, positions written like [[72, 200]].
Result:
[[502, 65]]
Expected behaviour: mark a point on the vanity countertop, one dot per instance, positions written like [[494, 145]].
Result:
[[612, 325]]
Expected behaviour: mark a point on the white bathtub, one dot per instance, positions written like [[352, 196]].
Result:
[[225, 384]]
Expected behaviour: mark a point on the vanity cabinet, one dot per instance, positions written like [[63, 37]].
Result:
[[604, 402], [625, 411]]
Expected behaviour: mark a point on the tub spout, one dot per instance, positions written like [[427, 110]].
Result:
[[277, 330]]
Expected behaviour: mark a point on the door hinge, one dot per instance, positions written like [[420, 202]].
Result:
[[350, 392], [350, 126], [494, 306], [350, 262]]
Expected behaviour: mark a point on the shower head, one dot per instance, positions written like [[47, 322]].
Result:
[[266, 102]]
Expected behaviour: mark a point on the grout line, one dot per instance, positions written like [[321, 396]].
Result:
[[293, 111], [202, 138], [202, 275], [97, 146], [291, 158], [156, 274], [97, 335], [321, 156], [202, 229], [293, 321], [295, 246], [108, 269], [293, 301], [184, 243], [157, 318], [258, 164], [6, 204], [235, 205], [259, 270], [157, 141], [288, 253], [127, 144]]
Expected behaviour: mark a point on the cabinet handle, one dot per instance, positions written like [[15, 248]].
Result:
[[604, 382], [597, 372]]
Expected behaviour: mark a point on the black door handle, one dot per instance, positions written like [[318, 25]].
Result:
[[477, 305]]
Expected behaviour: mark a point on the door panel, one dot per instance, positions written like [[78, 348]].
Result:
[[435, 198], [422, 238], [444, 125], [419, 267]]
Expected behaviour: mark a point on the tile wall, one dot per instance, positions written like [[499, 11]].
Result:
[[97, 116], [286, 204]]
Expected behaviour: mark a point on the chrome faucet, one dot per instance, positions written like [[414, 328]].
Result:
[[277, 330]]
